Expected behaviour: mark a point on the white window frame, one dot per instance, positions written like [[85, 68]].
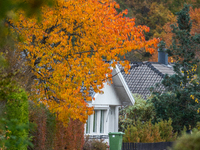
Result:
[[91, 123]]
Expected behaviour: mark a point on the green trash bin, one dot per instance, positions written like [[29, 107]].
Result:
[[115, 140]]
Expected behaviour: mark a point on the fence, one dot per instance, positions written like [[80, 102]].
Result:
[[146, 146]]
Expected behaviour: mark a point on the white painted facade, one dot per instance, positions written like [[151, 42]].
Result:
[[106, 107]]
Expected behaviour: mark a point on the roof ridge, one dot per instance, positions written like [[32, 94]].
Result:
[[149, 64], [155, 70]]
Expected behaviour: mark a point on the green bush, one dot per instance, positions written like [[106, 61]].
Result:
[[141, 111], [15, 122], [131, 135], [148, 133], [166, 130]]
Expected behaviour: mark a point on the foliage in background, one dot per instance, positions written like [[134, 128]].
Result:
[[13, 68], [146, 132], [167, 34], [180, 100], [8, 55], [155, 13], [195, 18], [152, 13], [141, 111], [136, 55], [158, 15]]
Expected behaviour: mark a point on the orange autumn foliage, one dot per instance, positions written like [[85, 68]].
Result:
[[195, 16], [66, 50]]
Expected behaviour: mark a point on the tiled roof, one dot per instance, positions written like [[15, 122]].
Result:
[[144, 75]]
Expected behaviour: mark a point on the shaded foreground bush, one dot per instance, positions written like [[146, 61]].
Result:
[[188, 142], [94, 144]]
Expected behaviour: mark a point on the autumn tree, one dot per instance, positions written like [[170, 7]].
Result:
[[66, 48]]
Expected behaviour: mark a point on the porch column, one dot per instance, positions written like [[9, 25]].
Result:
[[116, 118]]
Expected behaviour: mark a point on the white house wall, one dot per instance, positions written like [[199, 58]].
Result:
[[108, 98]]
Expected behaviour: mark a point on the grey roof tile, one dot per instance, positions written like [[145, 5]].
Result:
[[144, 75]]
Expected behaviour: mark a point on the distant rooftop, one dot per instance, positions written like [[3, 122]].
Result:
[[144, 75]]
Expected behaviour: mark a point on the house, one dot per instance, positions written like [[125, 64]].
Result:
[[142, 76], [106, 107]]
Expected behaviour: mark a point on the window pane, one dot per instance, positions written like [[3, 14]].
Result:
[[102, 122], [95, 122], [88, 125]]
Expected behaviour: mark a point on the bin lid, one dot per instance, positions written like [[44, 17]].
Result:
[[115, 133]]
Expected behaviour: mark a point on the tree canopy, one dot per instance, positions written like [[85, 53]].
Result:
[[67, 50]]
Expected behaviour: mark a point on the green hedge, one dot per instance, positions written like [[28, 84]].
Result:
[[15, 122]]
